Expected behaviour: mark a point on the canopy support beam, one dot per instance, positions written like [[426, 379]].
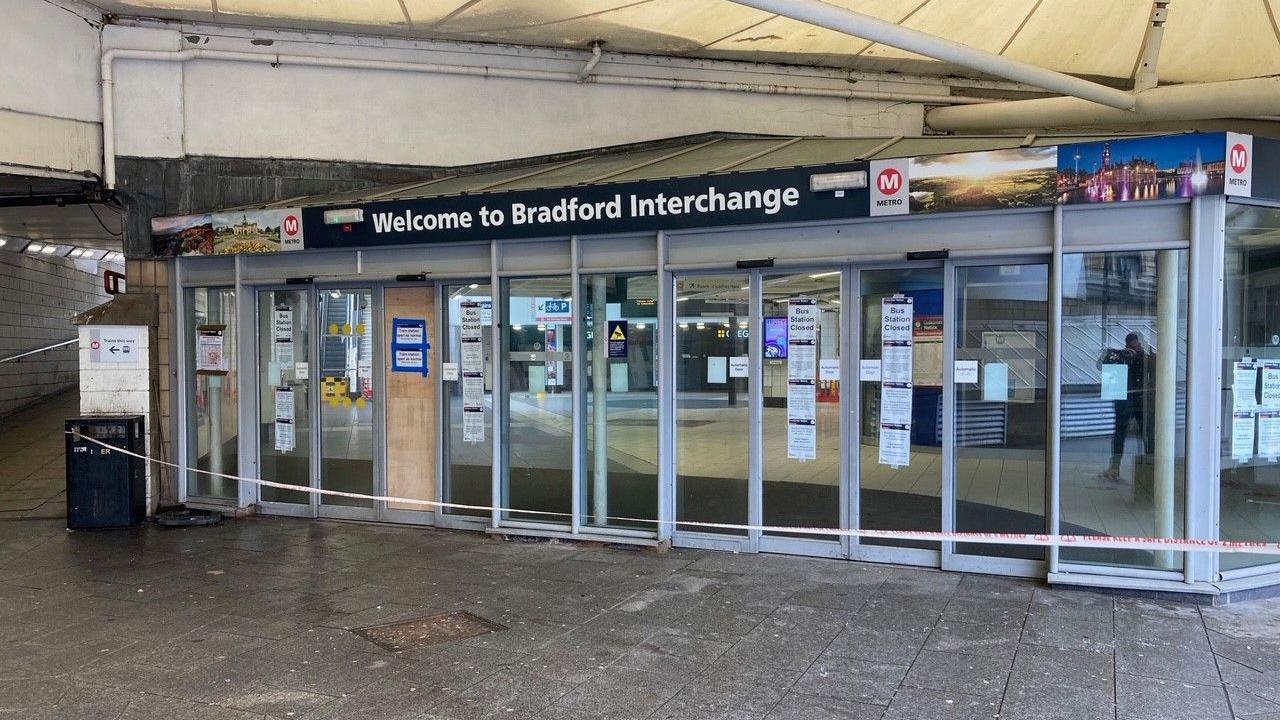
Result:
[[871, 28]]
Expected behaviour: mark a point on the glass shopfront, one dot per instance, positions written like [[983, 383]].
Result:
[[1074, 370]]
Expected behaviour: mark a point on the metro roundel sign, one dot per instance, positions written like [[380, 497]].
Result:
[[1239, 158], [291, 225], [889, 181]]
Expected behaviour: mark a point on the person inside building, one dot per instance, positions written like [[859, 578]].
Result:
[[1137, 361]]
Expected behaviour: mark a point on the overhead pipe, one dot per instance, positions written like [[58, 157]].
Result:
[[1250, 97], [821, 14], [111, 56]]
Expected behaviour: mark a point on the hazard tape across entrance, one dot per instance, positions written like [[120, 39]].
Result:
[[981, 538]]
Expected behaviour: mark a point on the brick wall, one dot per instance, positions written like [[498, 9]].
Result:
[[38, 298]]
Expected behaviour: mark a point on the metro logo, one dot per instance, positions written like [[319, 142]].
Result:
[[290, 225], [1239, 158], [889, 181]]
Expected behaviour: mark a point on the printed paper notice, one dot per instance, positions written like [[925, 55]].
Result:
[[895, 446], [1269, 434], [282, 324], [211, 356], [966, 372], [895, 404], [284, 408], [802, 439], [802, 338], [1270, 386], [738, 366], [1115, 381], [473, 425], [284, 436], [284, 404], [409, 359], [896, 389], [1242, 436], [472, 392], [1244, 387], [995, 382], [829, 370], [869, 370], [717, 370], [301, 371], [409, 334], [449, 370]]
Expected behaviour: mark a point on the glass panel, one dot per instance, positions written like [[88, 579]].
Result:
[[1002, 321], [1124, 325], [802, 434], [538, 422], [904, 492], [1250, 493], [620, 470], [284, 347], [468, 478], [712, 402], [346, 395], [213, 405]]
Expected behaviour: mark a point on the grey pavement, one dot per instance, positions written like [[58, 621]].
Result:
[[251, 619]]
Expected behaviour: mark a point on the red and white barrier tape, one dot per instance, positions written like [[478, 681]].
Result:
[[982, 538]]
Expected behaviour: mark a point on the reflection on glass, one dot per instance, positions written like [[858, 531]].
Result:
[[347, 395], [1002, 320], [800, 491], [538, 422], [1250, 492], [712, 452], [284, 346], [468, 477], [1123, 397], [620, 470], [903, 495], [212, 402]]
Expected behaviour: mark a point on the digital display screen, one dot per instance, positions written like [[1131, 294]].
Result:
[[775, 338]]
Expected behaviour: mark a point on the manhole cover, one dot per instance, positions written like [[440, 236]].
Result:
[[429, 630]]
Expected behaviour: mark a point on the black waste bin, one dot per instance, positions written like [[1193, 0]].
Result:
[[105, 488]]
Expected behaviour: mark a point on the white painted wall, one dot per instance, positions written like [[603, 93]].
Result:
[[118, 388], [219, 108], [50, 112]]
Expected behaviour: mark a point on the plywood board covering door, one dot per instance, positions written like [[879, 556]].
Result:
[[411, 403]]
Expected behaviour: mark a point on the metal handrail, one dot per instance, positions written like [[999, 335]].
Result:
[[55, 346]]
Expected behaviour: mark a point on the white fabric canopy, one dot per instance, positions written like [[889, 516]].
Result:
[[1204, 40]]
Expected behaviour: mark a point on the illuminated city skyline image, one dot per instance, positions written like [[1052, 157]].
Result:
[[1141, 169]]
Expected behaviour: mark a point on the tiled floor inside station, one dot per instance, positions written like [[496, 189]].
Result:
[[252, 619], [33, 481]]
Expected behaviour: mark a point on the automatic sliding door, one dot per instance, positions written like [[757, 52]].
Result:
[[901, 459], [1001, 408], [538, 422], [284, 396], [346, 395], [712, 401], [801, 397]]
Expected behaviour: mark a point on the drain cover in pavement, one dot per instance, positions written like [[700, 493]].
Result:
[[429, 630]]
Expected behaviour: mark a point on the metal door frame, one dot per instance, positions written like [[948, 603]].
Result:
[[377, 450], [952, 560], [307, 509]]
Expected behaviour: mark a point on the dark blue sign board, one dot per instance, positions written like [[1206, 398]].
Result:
[[618, 338], [409, 346], [744, 198]]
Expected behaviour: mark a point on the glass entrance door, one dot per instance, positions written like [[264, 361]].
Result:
[[801, 463], [1001, 407], [348, 396], [900, 460], [284, 396]]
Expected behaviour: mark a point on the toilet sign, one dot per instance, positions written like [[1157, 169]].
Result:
[[1238, 175], [890, 187]]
